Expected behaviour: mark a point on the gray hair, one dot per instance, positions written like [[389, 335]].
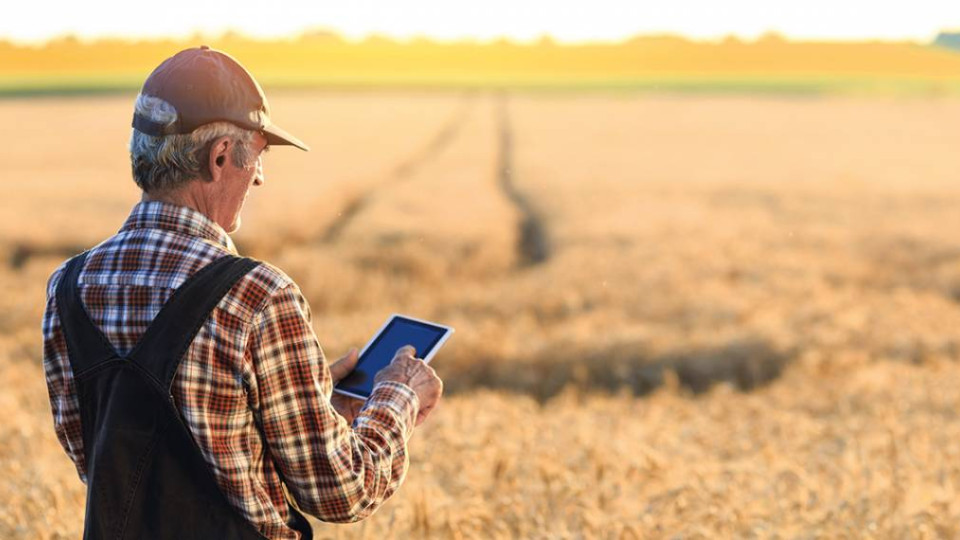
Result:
[[170, 161]]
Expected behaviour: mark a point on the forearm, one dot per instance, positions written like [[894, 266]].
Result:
[[335, 471], [368, 462]]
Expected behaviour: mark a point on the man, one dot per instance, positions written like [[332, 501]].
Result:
[[186, 383]]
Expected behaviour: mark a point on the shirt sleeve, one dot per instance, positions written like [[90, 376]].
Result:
[[60, 387], [334, 471]]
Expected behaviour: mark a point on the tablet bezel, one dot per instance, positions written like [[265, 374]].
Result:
[[447, 332]]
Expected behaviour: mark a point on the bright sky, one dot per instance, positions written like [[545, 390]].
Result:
[[566, 20]]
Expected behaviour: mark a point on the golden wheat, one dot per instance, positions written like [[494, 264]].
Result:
[[677, 316]]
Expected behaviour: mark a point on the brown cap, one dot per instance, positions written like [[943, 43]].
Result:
[[206, 85]]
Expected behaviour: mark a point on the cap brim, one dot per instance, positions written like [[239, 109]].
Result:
[[277, 136]]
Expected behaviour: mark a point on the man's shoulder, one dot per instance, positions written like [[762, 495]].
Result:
[[109, 244], [54, 280], [259, 285], [270, 276]]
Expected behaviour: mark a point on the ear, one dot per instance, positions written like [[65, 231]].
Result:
[[219, 158]]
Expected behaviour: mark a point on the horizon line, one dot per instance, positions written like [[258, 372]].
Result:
[[231, 33]]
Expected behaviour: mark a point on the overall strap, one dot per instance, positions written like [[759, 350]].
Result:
[[87, 347], [166, 340]]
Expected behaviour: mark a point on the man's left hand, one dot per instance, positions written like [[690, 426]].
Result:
[[348, 407]]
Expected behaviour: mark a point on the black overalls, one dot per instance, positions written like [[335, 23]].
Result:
[[146, 477]]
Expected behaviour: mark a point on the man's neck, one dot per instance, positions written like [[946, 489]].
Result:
[[185, 196]]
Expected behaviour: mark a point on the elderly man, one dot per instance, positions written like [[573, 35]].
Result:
[[186, 382]]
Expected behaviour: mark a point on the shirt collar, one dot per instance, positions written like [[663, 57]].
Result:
[[181, 219]]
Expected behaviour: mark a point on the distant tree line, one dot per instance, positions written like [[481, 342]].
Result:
[[950, 40]]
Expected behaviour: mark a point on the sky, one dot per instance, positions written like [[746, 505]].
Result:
[[33, 21]]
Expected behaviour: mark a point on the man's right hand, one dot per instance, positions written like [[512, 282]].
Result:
[[407, 369]]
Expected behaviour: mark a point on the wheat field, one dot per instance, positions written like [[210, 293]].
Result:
[[677, 316]]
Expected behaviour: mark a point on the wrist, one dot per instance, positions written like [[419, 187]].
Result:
[[398, 397]]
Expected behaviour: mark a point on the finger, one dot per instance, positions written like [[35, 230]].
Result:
[[342, 367], [407, 350], [355, 408], [404, 352]]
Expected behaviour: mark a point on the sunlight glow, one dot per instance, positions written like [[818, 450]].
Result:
[[596, 20]]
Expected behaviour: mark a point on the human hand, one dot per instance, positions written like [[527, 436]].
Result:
[[344, 365], [418, 375], [347, 406]]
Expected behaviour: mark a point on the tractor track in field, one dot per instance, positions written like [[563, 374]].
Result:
[[533, 246], [405, 170]]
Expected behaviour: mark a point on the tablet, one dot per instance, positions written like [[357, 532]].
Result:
[[399, 330]]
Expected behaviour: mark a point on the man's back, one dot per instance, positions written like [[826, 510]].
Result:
[[252, 387], [146, 476]]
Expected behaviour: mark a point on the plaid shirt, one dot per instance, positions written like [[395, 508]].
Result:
[[253, 388]]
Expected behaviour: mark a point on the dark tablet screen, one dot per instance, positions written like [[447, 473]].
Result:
[[399, 332]]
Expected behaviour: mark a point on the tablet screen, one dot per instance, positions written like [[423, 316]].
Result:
[[399, 331]]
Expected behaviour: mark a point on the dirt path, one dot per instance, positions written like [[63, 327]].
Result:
[[408, 168], [532, 245]]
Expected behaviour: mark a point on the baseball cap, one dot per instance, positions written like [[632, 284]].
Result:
[[206, 85]]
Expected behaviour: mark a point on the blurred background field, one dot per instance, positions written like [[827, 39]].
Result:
[[726, 313], [770, 63]]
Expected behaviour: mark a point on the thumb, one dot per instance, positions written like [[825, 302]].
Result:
[[342, 367]]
